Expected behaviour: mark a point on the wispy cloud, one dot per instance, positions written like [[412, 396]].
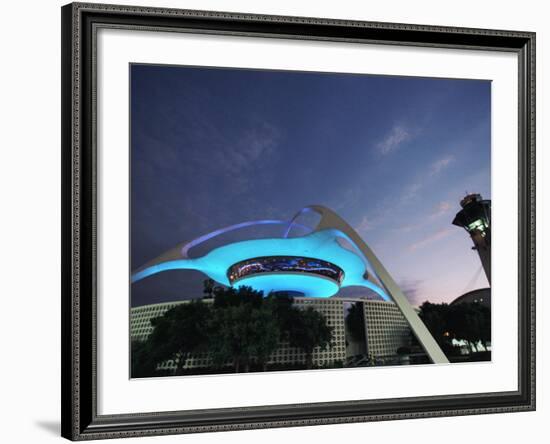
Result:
[[441, 164], [438, 235], [233, 155], [412, 289], [441, 209], [407, 228], [394, 139], [365, 224], [254, 146], [411, 191]]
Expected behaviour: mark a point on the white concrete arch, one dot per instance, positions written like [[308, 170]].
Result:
[[331, 220]]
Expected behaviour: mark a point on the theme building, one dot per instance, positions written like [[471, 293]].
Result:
[[318, 264]]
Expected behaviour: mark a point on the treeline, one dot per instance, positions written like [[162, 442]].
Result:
[[470, 322], [240, 327]]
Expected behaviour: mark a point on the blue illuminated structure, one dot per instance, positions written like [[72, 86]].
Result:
[[318, 246], [329, 257]]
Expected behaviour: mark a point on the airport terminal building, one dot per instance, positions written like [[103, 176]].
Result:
[[386, 330]]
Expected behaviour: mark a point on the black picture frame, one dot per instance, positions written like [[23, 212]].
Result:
[[79, 170]]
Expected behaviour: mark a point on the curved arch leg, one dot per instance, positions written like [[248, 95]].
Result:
[[330, 220]]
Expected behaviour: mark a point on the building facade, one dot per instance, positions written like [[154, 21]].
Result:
[[386, 330], [140, 318], [333, 311], [480, 296]]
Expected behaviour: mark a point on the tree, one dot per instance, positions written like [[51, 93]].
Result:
[[243, 328], [471, 322], [240, 326], [462, 322], [283, 311], [435, 317], [208, 288], [142, 363], [467, 321], [485, 331], [355, 322], [308, 331], [180, 332], [233, 297]]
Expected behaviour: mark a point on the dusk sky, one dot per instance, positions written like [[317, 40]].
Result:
[[212, 147]]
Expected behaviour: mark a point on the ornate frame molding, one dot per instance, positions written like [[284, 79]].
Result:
[[80, 420]]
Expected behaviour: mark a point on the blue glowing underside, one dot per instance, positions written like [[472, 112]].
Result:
[[322, 245]]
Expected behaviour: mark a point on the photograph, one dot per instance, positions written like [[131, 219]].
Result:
[[304, 221]]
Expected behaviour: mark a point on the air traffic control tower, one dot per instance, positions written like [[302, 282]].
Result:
[[475, 218]]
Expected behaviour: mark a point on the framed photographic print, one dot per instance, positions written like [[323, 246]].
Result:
[[280, 221]]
